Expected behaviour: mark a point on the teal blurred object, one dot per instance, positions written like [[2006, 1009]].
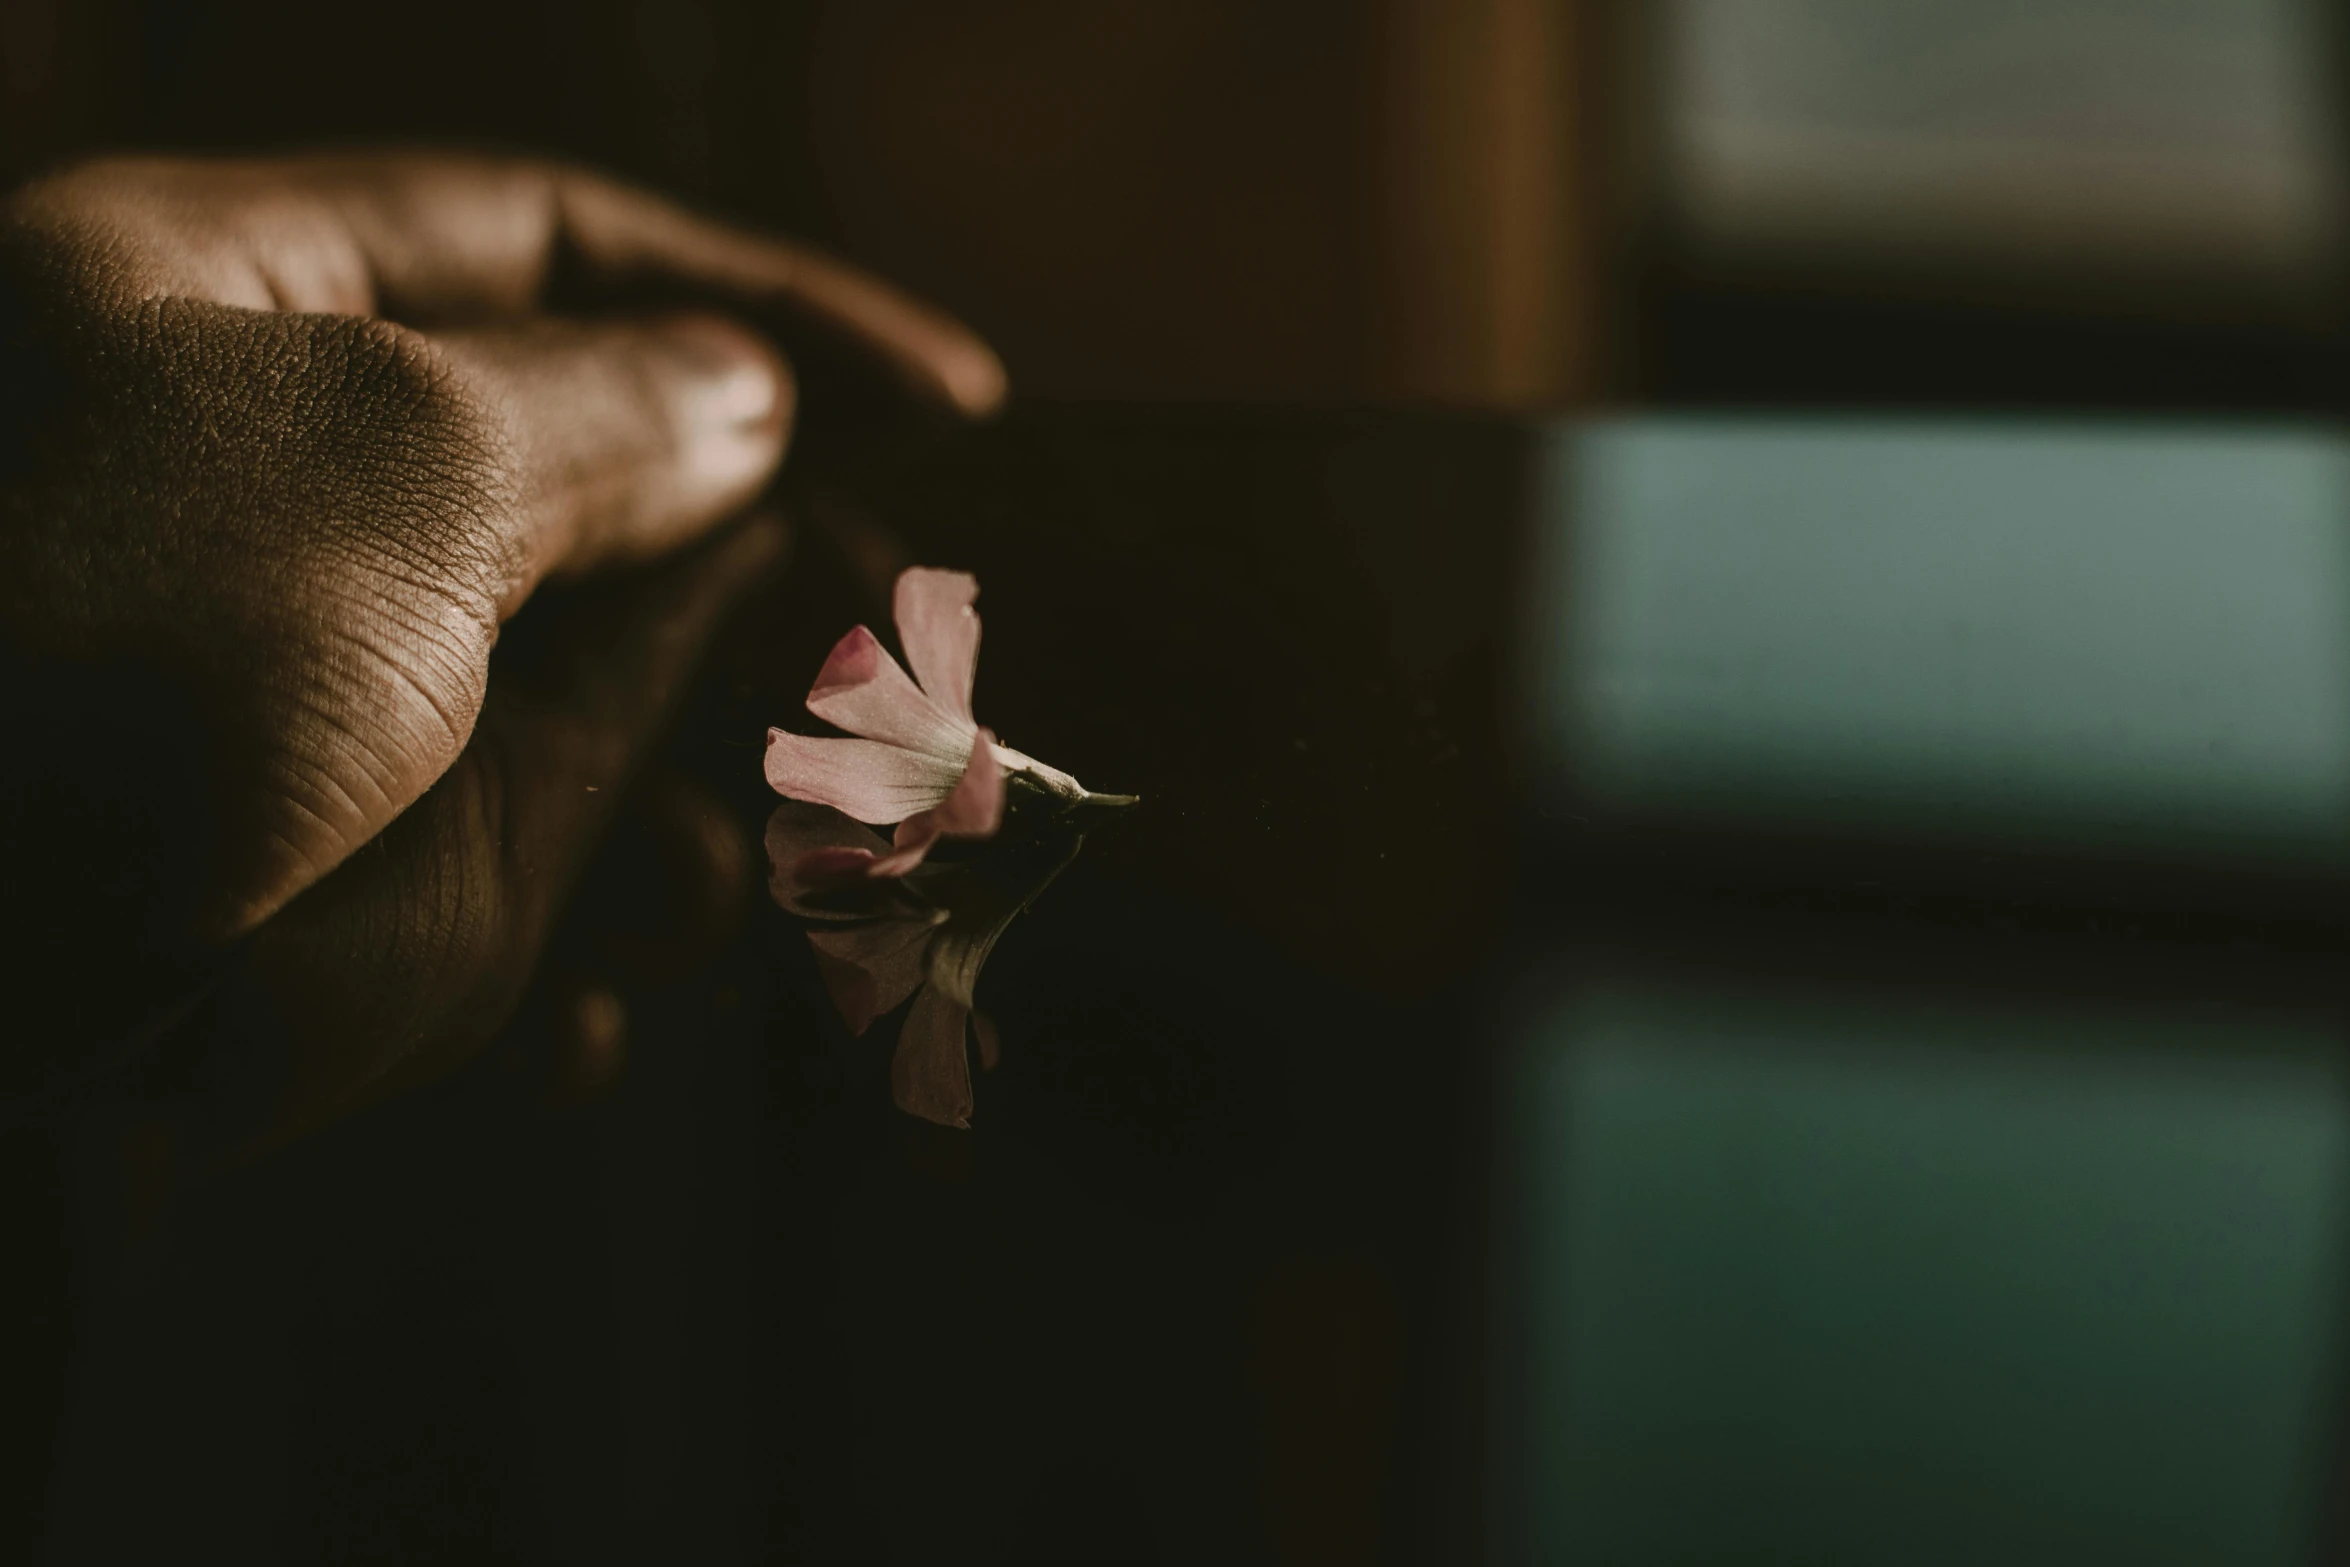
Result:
[[2119, 641], [1844, 1283]]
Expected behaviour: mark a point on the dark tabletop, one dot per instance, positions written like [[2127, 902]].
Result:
[[1649, 1013]]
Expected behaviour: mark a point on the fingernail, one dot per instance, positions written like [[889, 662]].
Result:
[[731, 403], [733, 381]]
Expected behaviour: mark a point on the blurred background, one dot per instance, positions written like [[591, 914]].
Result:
[[1495, 203], [2030, 1226]]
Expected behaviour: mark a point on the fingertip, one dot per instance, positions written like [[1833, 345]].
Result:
[[736, 361], [975, 380], [733, 395], [625, 236]]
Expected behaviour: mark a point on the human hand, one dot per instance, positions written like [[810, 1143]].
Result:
[[284, 444], [408, 957]]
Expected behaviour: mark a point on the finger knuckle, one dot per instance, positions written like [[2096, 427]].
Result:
[[405, 568], [428, 453]]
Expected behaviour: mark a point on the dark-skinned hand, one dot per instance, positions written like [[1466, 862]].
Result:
[[284, 446]]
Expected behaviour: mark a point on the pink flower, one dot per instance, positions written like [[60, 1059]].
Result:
[[919, 758]]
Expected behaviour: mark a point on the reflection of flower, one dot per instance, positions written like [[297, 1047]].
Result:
[[919, 758], [926, 935], [872, 964]]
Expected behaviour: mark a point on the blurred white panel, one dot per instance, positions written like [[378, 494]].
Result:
[[2172, 144]]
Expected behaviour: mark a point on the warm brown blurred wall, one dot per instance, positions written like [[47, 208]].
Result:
[[1490, 246], [1325, 199], [1330, 200]]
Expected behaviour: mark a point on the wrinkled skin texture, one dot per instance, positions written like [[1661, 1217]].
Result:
[[284, 446], [409, 957]]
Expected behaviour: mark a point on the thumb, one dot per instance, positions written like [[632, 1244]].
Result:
[[406, 958], [625, 438]]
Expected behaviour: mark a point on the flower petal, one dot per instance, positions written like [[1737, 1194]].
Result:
[[930, 1076], [864, 778], [869, 969], [830, 865], [959, 953], [862, 689], [813, 851], [940, 632], [974, 810]]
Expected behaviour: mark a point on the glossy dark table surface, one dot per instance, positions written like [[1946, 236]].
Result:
[[1401, 1150]]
